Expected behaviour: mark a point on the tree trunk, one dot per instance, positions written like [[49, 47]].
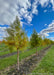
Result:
[[17, 59]]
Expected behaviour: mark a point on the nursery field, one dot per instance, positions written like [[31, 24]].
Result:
[[8, 61], [46, 66], [27, 37]]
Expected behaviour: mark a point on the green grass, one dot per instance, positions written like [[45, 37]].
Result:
[[4, 49], [47, 64], [5, 52], [13, 59]]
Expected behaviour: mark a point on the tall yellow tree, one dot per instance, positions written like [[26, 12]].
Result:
[[16, 38]]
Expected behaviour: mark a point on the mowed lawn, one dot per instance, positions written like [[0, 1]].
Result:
[[46, 66], [5, 62]]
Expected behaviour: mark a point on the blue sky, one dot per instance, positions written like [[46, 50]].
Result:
[[41, 21], [33, 14]]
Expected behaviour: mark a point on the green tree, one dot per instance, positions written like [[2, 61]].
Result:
[[40, 40], [47, 41], [34, 40], [16, 39]]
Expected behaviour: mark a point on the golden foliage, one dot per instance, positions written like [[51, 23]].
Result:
[[17, 38]]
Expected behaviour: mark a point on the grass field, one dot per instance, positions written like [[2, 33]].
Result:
[[13, 59], [46, 65], [4, 49]]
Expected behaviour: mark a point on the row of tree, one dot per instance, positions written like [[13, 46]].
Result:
[[36, 40], [18, 40]]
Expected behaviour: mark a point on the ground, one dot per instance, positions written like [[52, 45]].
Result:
[[30, 60]]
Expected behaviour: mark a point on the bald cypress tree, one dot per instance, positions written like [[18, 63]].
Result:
[[16, 39], [34, 40]]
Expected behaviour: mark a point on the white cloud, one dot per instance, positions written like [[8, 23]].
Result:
[[49, 29], [52, 38], [52, 1], [24, 3], [45, 10], [3, 33], [44, 3], [9, 9], [45, 24], [49, 6], [34, 7]]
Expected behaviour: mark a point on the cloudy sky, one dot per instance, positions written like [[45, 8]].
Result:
[[38, 14]]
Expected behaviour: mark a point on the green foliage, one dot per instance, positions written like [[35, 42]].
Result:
[[35, 39], [16, 38], [5, 50], [40, 40], [46, 41]]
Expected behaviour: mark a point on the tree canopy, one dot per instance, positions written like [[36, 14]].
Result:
[[34, 40], [16, 38]]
